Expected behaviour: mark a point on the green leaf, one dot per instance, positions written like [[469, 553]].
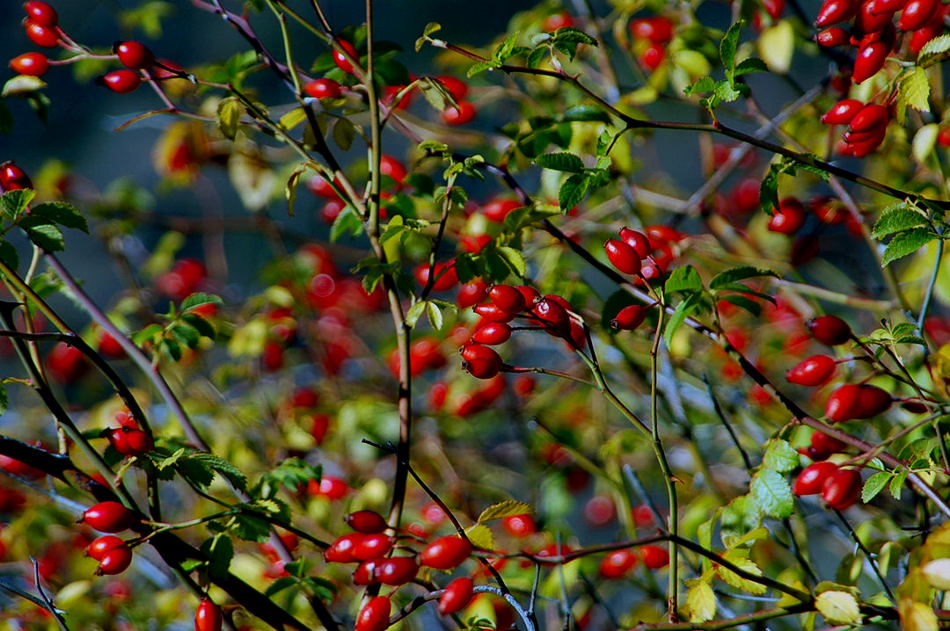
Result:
[[480, 67], [514, 259], [735, 274], [904, 243], [743, 303], [250, 528], [897, 483], [780, 456], [220, 550], [936, 46], [415, 312], [897, 218], [212, 464], [703, 84], [772, 494], [185, 334], [344, 131], [507, 508], [740, 557], [571, 34], [280, 585], [45, 235], [684, 278], [200, 299], [914, 91], [586, 113], [573, 191], [201, 325], [347, 222], [230, 110], [4, 399], [562, 161], [434, 313], [683, 310], [63, 213], [13, 203], [701, 602], [750, 65], [728, 46], [874, 485], [9, 256]]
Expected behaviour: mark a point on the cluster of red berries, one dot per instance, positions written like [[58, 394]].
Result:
[[185, 278], [318, 185], [129, 439], [867, 126], [651, 35], [113, 554], [619, 563], [872, 29], [839, 487], [646, 255], [463, 111]]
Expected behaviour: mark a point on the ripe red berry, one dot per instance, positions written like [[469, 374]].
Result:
[[208, 616], [32, 64], [492, 333], [323, 89], [472, 293], [375, 615], [493, 313], [830, 37], [457, 595], [812, 478], [498, 209], [842, 112], [134, 55], [658, 30], [41, 35], [622, 256], [392, 167], [445, 275], [365, 574], [552, 316], [480, 361], [652, 56], [121, 81], [115, 560], [459, 114], [789, 217], [872, 401], [366, 521], [519, 525], [869, 118], [812, 371], [870, 59], [340, 60], [108, 517], [829, 329], [841, 488], [917, 13], [655, 557], [341, 550], [636, 240], [396, 570], [824, 445], [599, 511], [101, 545], [372, 546], [445, 553], [617, 563], [13, 177], [629, 318], [41, 13], [834, 11], [507, 298]]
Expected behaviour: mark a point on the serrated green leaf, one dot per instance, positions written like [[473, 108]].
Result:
[[481, 536], [728, 46], [220, 550], [347, 222], [874, 485], [750, 65], [480, 67], [13, 203], [250, 528], [573, 191], [703, 84], [905, 243], [936, 46], [562, 161], [683, 310], [185, 334], [508, 508], [896, 219], [63, 213], [914, 91], [199, 299], [743, 303], [219, 465], [772, 494], [203, 327], [9, 256], [740, 557], [896, 487], [45, 235], [780, 456], [684, 278], [735, 274]]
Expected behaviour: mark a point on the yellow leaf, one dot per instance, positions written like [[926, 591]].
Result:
[[924, 141], [293, 118], [481, 537], [701, 602], [776, 46], [937, 573], [917, 616], [740, 558], [507, 508], [838, 607], [229, 116]]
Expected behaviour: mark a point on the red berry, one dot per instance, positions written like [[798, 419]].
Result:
[[841, 488], [480, 361], [654, 29], [654, 557], [457, 595], [492, 333], [445, 275], [507, 298], [41, 13], [636, 240], [472, 293], [630, 317], [869, 118], [41, 35], [498, 209], [872, 401], [375, 615], [365, 574], [943, 138], [830, 37], [932, 29], [323, 89], [870, 59], [556, 21], [455, 86], [617, 563], [823, 444], [121, 81], [138, 442], [834, 11], [108, 517], [391, 166], [519, 525], [208, 616], [33, 64], [373, 546], [366, 521], [789, 217], [652, 56], [341, 550], [396, 570], [493, 313], [872, 18], [842, 112], [599, 511], [622, 256], [332, 488], [134, 55], [553, 316], [829, 329], [115, 560], [13, 177], [445, 553], [459, 114], [812, 371], [812, 478], [101, 545], [340, 60], [917, 13]]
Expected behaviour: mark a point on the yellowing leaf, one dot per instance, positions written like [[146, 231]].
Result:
[[924, 141], [701, 602], [914, 92], [229, 116], [740, 558], [293, 118], [917, 616], [776, 46], [838, 607], [507, 508], [481, 537], [937, 573]]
